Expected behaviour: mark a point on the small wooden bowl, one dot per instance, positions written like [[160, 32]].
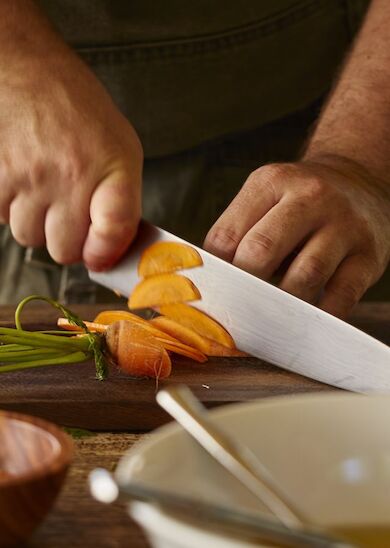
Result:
[[34, 458]]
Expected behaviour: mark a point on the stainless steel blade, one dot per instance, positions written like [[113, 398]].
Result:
[[270, 323]]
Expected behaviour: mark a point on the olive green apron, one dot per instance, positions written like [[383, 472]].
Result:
[[214, 89]]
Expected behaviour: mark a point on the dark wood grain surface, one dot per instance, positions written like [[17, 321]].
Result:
[[77, 520], [70, 395]]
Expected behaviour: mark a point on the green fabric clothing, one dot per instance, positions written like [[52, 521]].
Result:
[[188, 72]]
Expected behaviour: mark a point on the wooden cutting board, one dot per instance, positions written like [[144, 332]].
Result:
[[71, 396]]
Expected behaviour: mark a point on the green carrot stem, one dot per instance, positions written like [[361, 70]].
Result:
[[65, 311], [90, 343], [74, 357], [40, 339], [27, 355], [14, 347]]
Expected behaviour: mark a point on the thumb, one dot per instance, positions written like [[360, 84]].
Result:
[[115, 211]]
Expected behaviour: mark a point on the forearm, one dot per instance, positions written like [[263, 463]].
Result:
[[30, 47], [355, 123], [23, 23]]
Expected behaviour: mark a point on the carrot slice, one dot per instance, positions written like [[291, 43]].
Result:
[[184, 350], [163, 289], [198, 321], [181, 332], [111, 316], [192, 338], [136, 351], [165, 257]]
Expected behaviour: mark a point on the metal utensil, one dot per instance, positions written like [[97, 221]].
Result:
[[245, 524], [269, 323], [181, 404]]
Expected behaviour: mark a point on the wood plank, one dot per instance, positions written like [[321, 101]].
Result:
[[70, 395]]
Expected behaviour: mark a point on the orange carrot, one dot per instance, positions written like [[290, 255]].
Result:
[[165, 257], [168, 342], [136, 351]]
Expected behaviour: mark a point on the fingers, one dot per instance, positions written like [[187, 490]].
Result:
[[274, 237], [348, 284], [66, 228], [115, 212], [78, 226], [26, 219], [255, 199], [315, 264]]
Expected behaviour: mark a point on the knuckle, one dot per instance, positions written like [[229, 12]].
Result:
[[269, 176], [349, 292], [72, 167], [223, 238], [311, 272], [275, 172], [258, 245], [314, 189]]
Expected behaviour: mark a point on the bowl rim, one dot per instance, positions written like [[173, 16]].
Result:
[[56, 464], [223, 412]]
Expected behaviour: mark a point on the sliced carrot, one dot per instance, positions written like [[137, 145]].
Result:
[[184, 350], [163, 289], [136, 351], [192, 338], [165, 257], [111, 316], [181, 332], [198, 321]]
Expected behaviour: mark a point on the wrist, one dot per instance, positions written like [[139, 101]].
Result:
[[358, 173]]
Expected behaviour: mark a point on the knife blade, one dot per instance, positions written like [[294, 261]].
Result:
[[269, 323]]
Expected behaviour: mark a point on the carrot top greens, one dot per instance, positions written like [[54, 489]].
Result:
[[20, 349]]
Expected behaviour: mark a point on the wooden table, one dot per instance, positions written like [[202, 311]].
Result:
[[78, 521]]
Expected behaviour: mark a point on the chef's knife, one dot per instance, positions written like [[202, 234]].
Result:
[[269, 323]]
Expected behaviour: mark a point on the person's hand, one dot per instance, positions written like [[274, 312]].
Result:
[[70, 163], [327, 215]]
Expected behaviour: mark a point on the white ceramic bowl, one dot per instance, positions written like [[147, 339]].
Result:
[[330, 452]]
